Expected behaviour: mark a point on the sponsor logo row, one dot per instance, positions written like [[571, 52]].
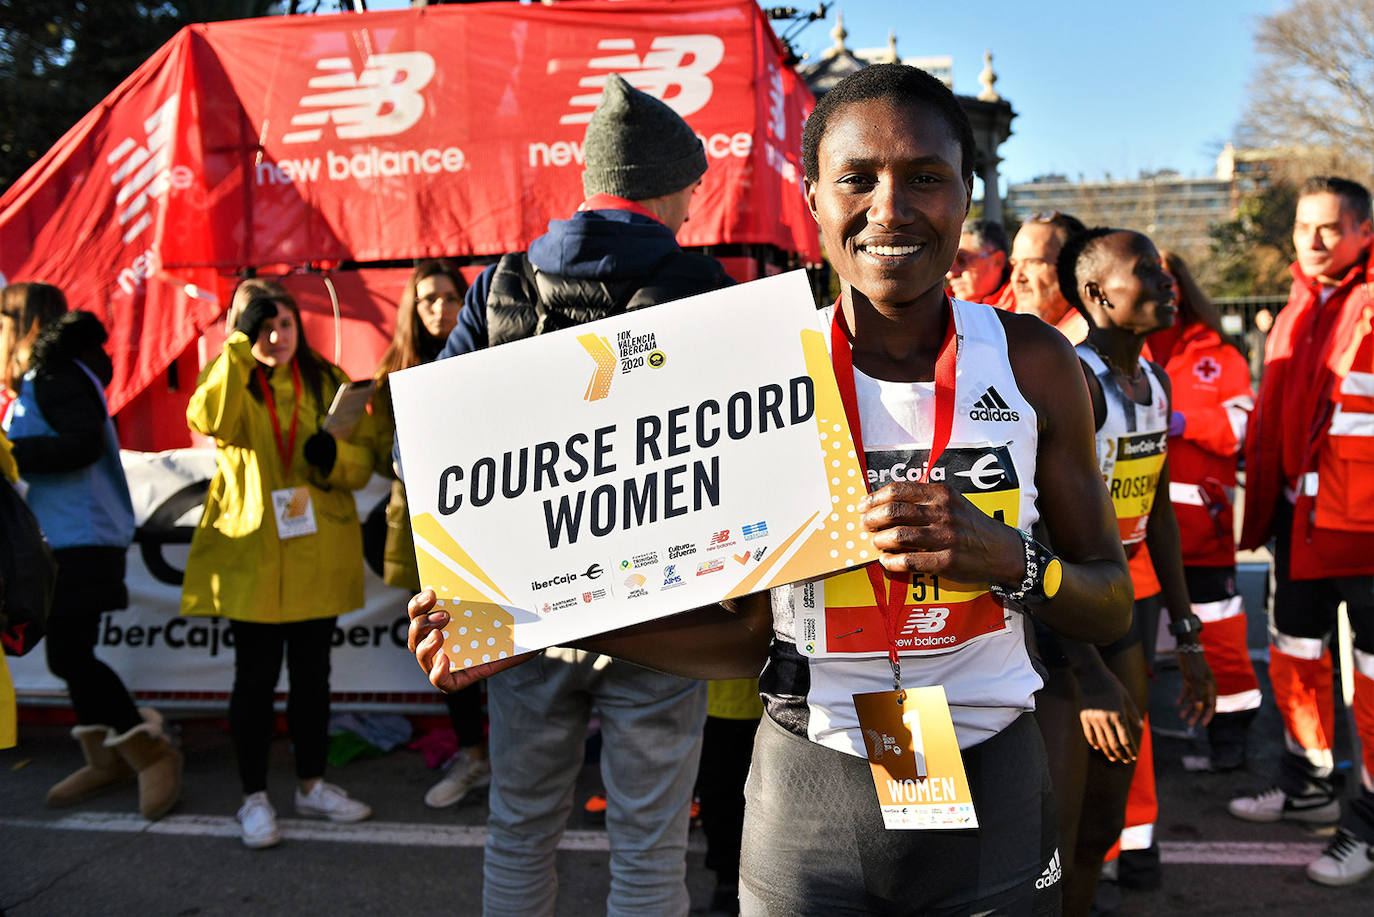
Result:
[[656, 576]]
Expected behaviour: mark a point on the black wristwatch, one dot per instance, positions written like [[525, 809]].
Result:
[[1044, 575], [1188, 624]]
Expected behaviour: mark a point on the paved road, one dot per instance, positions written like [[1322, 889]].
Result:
[[413, 861]]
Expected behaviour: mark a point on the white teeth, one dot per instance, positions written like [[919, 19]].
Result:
[[892, 249]]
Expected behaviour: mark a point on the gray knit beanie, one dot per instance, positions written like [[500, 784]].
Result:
[[637, 147]]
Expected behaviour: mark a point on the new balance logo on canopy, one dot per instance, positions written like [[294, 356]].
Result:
[[674, 69], [992, 407], [141, 170], [381, 101]]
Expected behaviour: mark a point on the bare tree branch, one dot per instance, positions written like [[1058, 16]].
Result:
[[1313, 92]]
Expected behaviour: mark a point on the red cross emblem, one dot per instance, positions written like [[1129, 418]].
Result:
[[1206, 369]]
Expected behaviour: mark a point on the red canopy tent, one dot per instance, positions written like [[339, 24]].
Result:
[[349, 144]]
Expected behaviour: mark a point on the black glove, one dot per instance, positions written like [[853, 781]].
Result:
[[321, 450], [253, 316]]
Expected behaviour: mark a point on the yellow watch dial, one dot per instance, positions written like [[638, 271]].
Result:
[[1053, 579]]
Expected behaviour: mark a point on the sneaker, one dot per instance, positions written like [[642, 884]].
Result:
[[1274, 804], [1346, 860], [465, 773], [258, 822], [326, 800]]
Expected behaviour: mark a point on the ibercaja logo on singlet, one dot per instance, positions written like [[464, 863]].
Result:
[[943, 614], [1131, 469]]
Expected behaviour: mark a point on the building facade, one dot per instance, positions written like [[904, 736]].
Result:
[[989, 114]]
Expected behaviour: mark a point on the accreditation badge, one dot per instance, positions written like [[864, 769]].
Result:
[[294, 512], [917, 769]]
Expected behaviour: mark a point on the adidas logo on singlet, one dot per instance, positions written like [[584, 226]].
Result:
[[992, 407], [1052, 872]]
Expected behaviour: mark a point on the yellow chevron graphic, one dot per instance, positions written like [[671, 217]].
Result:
[[600, 350]]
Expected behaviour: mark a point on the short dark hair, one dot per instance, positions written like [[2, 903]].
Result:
[[1354, 196], [989, 232], [1079, 257], [66, 338], [900, 83]]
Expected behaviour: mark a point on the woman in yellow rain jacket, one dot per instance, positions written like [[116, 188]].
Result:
[[279, 550]]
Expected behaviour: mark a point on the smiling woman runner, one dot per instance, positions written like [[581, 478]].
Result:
[[888, 157]]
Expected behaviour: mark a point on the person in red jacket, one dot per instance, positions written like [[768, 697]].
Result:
[[1309, 459], [981, 272], [1212, 404]]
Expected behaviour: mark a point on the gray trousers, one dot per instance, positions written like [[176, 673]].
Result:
[[651, 727]]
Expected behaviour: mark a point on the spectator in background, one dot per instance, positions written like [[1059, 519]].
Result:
[[8, 711], [25, 308], [733, 710], [981, 271], [427, 313], [1100, 693], [1211, 408], [1035, 277], [1309, 460], [67, 450], [278, 550]]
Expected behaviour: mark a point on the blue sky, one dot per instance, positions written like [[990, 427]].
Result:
[[1100, 86]]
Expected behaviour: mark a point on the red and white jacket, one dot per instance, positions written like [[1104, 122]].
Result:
[[1311, 439], [1211, 383], [1002, 298]]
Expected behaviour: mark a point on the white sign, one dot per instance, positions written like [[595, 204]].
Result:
[[630, 468]]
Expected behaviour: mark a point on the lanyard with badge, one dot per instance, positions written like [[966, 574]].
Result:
[[909, 734], [291, 506]]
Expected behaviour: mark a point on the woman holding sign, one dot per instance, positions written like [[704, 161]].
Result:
[[917, 713], [428, 311], [278, 550]]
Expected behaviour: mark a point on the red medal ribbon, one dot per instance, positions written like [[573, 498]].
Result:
[[890, 599], [285, 447]]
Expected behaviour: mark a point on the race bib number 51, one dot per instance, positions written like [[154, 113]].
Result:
[[838, 615]]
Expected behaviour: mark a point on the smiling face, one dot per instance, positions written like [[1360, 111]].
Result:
[[1328, 237], [276, 342], [437, 304], [890, 199], [1139, 293]]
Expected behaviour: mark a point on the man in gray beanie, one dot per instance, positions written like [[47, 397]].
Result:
[[617, 252]]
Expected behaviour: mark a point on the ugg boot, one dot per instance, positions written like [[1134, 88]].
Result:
[[103, 770], [145, 749]]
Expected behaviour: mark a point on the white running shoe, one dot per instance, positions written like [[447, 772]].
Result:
[[1346, 860], [258, 822], [325, 800], [465, 773], [1274, 804]]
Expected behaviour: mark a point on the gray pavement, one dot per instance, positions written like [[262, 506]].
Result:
[[100, 858]]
